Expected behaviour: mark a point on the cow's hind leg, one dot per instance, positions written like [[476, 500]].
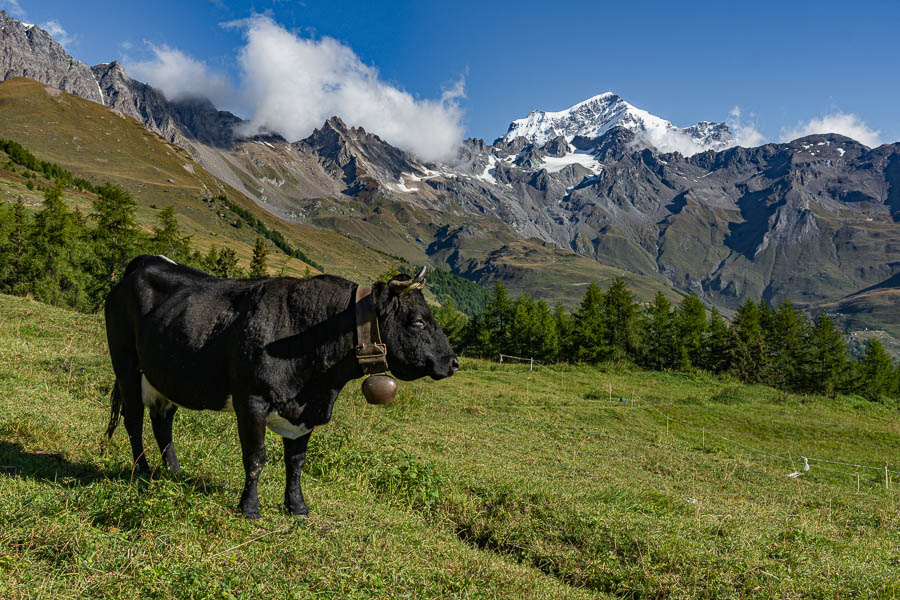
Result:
[[294, 457], [251, 419], [161, 417], [133, 416]]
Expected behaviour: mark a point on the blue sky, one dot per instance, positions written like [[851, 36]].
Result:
[[783, 63]]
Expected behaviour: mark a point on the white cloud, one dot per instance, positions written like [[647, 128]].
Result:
[[57, 32], [293, 84], [15, 9], [670, 140], [845, 124], [745, 133], [180, 76]]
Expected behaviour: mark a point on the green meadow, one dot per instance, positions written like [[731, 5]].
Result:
[[500, 482]]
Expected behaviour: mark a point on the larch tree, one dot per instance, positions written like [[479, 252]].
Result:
[[258, 267]]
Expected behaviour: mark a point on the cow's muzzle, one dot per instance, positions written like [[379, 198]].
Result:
[[450, 367]]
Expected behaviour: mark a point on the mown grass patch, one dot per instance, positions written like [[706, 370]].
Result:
[[499, 482]]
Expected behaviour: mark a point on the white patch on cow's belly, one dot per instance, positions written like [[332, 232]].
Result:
[[152, 398], [285, 428]]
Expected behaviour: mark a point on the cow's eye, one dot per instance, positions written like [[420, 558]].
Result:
[[418, 324]]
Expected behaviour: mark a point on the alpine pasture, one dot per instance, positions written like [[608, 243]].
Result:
[[499, 482]]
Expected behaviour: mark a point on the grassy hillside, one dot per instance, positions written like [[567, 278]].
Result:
[[496, 483], [872, 309], [100, 144]]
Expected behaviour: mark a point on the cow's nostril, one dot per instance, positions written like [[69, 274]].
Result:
[[454, 364]]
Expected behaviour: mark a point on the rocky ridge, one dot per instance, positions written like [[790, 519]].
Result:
[[29, 51]]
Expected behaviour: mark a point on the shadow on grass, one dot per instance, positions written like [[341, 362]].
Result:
[[52, 467]]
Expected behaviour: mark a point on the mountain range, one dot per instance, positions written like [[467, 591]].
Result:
[[562, 198]]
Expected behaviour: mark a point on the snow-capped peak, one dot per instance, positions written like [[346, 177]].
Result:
[[597, 115]]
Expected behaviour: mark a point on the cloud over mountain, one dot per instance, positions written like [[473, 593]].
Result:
[[842, 123], [290, 85], [745, 133], [293, 84], [179, 75]]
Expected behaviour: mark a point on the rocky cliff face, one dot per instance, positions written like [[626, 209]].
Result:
[[181, 121], [29, 51]]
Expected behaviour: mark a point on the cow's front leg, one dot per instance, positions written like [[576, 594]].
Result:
[[294, 457], [251, 418]]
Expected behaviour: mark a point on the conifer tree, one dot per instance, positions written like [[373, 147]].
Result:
[[227, 264], [620, 322], [167, 239], [876, 371], [210, 260], [715, 356], [590, 327], [549, 333], [13, 234], [690, 321], [493, 331], [532, 332], [452, 322], [827, 360], [523, 331], [748, 352], [565, 328], [116, 239], [258, 263], [789, 346], [661, 348], [55, 249]]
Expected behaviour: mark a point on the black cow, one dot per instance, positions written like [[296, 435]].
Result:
[[276, 351]]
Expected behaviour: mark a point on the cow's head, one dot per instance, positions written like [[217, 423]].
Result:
[[416, 345]]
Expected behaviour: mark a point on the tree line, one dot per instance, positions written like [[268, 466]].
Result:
[[777, 346], [18, 155], [63, 257], [273, 235]]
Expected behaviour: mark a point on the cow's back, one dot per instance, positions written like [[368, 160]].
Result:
[[175, 325]]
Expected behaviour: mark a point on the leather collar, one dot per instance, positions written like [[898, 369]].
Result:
[[370, 352]]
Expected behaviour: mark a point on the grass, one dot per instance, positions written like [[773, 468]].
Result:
[[496, 483]]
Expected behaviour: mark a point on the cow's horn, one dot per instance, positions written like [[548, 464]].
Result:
[[419, 281], [402, 286]]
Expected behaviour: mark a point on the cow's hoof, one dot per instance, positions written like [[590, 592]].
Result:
[[249, 513], [298, 511]]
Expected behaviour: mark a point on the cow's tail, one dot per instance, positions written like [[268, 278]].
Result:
[[115, 410]]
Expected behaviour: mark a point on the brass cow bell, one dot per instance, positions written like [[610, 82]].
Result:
[[379, 389]]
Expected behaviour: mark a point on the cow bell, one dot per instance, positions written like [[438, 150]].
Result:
[[379, 389]]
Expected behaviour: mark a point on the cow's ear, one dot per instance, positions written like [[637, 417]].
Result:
[[401, 286]]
